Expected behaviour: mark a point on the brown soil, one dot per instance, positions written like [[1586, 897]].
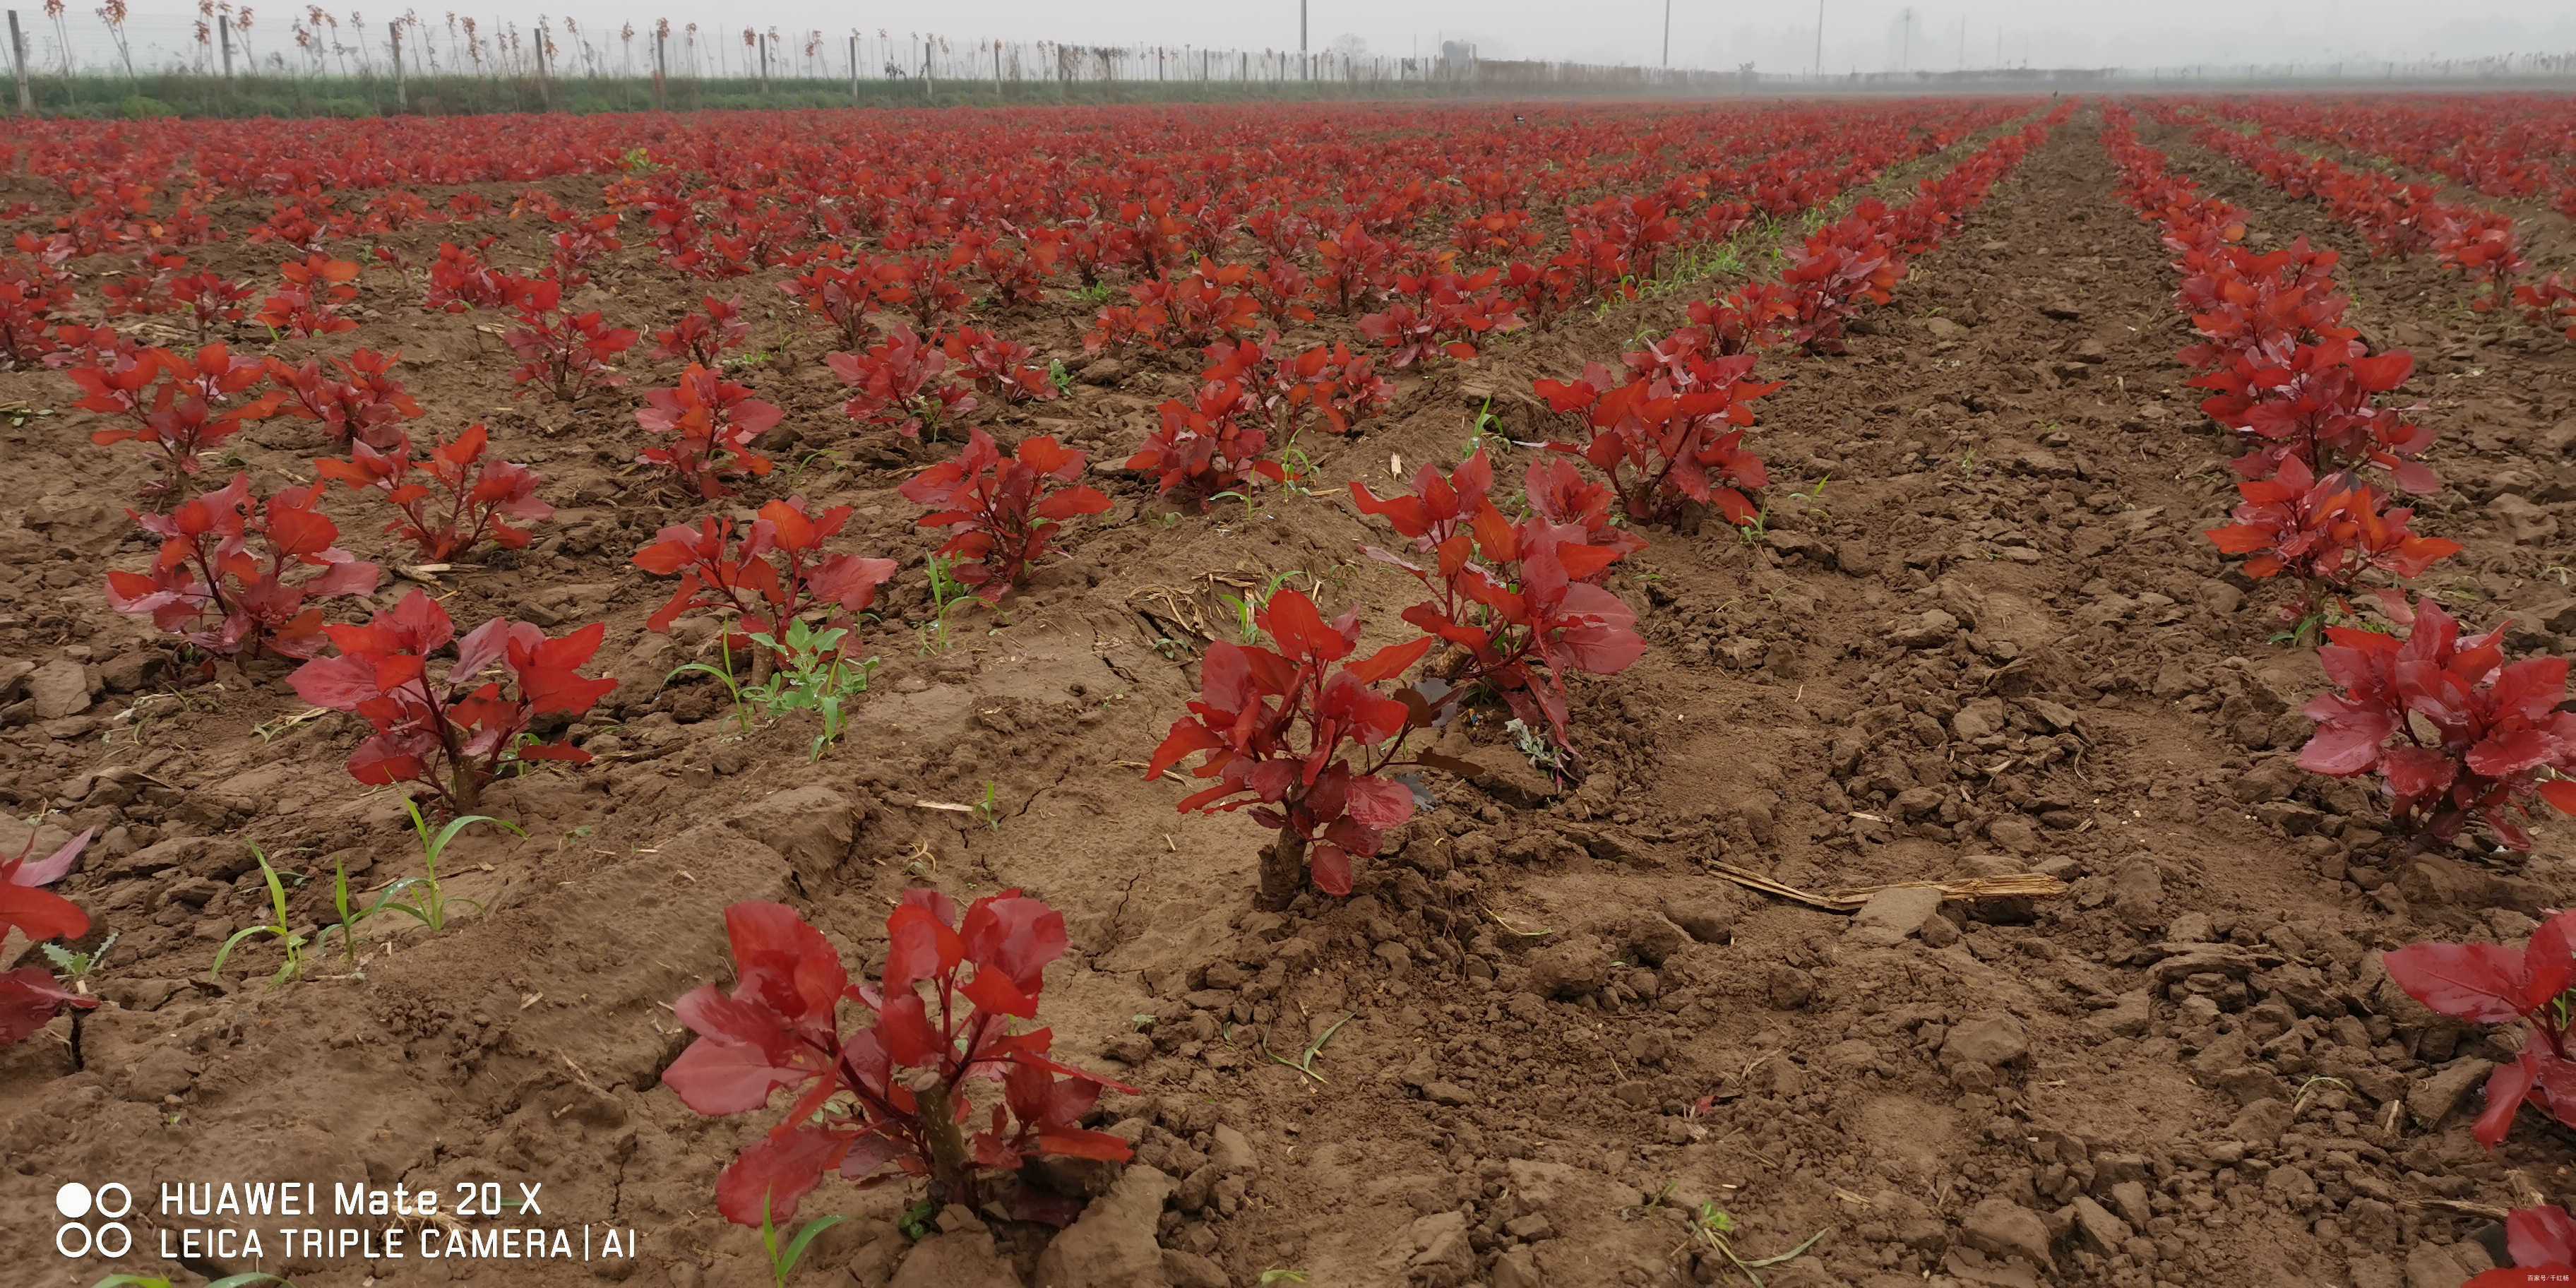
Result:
[[1982, 634]]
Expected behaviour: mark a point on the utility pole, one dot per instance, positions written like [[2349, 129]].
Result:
[[18, 55], [1820, 39], [1305, 66], [402, 92], [1963, 44], [1668, 35], [661, 69], [854, 69], [224, 29]]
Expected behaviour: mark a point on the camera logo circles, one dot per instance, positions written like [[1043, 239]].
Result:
[[110, 1237]]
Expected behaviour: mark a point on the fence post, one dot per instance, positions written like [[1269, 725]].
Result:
[[402, 92], [661, 71], [18, 55]]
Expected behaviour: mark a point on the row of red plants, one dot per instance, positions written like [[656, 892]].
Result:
[[781, 183], [2511, 146], [2400, 219], [931, 246], [2457, 733], [1306, 734], [1317, 741], [1667, 428]]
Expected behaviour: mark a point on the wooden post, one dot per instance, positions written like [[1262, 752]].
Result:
[[402, 92], [661, 69], [224, 29], [18, 55]]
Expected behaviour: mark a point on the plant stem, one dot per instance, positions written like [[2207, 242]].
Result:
[[952, 1169], [1283, 870]]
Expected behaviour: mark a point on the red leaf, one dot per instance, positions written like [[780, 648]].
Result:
[[919, 946], [1379, 804], [2560, 792], [1016, 935], [717, 1077], [2506, 1089], [51, 868], [2541, 1237], [1291, 619], [993, 991], [30, 998], [1389, 662], [1330, 867], [781, 1169], [40, 914], [1072, 1142], [903, 1026], [2481, 983]]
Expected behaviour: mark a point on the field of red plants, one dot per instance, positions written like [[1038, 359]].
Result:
[[1794, 693]]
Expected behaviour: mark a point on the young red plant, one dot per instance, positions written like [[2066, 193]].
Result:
[[2500, 984], [453, 734], [1004, 510], [894, 1098], [177, 407], [1678, 422], [997, 366], [466, 501], [460, 282], [1202, 448], [2456, 733], [2324, 532], [702, 338], [368, 405], [219, 581], [317, 288], [712, 421], [772, 572], [900, 385], [30, 996], [566, 354], [31, 295], [1303, 739], [1518, 600]]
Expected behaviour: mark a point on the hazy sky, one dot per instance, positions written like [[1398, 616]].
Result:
[[1777, 35]]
